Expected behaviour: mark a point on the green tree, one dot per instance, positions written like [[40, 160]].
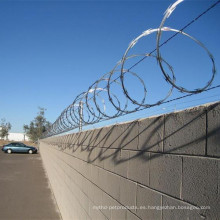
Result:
[[38, 126], [4, 128]]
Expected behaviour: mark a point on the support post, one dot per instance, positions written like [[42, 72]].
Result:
[[80, 115]]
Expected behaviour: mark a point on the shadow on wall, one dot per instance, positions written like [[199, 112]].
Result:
[[186, 132]]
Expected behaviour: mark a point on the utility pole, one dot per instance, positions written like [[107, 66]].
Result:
[[80, 115]]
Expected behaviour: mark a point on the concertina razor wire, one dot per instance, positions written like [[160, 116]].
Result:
[[90, 107]]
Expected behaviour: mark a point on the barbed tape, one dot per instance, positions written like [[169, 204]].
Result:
[[87, 110]]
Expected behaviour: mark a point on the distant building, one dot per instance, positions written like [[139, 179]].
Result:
[[17, 137]]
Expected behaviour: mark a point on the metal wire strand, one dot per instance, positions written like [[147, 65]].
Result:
[[85, 109]]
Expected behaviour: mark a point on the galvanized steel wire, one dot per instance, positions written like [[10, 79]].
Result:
[[89, 107]]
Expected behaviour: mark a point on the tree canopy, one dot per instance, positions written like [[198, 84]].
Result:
[[38, 126], [5, 127]]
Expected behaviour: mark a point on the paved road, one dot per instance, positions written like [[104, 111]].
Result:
[[25, 193]]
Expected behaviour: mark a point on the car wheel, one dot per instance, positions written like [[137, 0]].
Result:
[[30, 151], [9, 151]]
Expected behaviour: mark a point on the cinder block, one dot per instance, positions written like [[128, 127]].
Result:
[[97, 196], [185, 132], [73, 162], [86, 169], [124, 136], [151, 134], [67, 149], [72, 139], [129, 135], [218, 177], [83, 154], [117, 211], [92, 155], [67, 138], [84, 202], [76, 152], [85, 186], [176, 209], [139, 167], [108, 158], [121, 162], [113, 189], [148, 203], [82, 214], [165, 173], [109, 137], [200, 184], [98, 160], [94, 174], [194, 180], [95, 137], [74, 149], [131, 216], [79, 180], [118, 214], [213, 133], [110, 183], [102, 179], [107, 203], [128, 190], [83, 138], [64, 141], [91, 192], [95, 213]]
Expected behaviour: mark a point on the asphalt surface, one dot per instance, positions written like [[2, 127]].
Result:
[[25, 192]]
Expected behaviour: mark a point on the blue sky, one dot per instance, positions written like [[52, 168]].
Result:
[[50, 51]]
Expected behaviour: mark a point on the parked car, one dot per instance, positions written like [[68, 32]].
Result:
[[18, 148]]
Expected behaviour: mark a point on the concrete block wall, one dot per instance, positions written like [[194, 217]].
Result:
[[163, 167]]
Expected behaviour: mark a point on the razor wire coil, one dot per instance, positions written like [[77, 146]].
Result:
[[71, 117]]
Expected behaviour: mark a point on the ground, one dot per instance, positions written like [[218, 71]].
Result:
[[24, 189]]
